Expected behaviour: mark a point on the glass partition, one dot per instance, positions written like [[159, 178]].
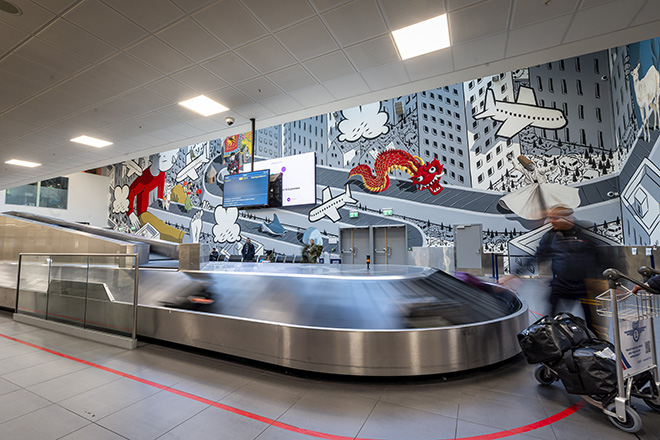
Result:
[[96, 291]]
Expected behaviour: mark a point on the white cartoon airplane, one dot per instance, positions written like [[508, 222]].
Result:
[[331, 205], [523, 113], [190, 170]]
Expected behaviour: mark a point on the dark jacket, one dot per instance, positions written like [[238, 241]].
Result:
[[248, 251], [574, 255], [214, 256], [654, 282]]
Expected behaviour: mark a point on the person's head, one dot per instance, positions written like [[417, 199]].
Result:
[[525, 162], [561, 218], [247, 240], [311, 242], [214, 249]]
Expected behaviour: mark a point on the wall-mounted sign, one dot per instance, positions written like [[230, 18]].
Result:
[[353, 214], [386, 211]]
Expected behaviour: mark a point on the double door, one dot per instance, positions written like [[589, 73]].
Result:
[[383, 244]]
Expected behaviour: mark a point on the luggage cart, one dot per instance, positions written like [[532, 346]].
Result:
[[636, 367]]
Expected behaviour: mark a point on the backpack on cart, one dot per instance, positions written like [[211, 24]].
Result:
[[589, 369], [547, 339]]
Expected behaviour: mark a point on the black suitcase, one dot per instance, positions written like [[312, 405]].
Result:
[[549, 338], [589, 369]]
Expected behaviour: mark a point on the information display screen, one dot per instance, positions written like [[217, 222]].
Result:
[[246, 189], [298, 177]]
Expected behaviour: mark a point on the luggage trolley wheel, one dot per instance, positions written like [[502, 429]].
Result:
[[544, 375], [633, 421], [653, 403]]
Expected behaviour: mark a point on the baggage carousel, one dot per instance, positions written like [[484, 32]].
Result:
[[337, 319]]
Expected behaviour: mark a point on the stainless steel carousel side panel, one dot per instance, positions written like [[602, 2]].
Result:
[[401, 352]]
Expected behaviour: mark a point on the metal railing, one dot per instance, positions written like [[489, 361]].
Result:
[[94, 291]]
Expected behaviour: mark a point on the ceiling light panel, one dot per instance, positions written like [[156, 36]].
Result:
[[92, 142], [204, 106], [22, 163], [423, 37]]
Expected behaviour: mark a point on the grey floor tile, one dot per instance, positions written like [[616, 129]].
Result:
[[214, 423], [49, 338], [19, 403], [7, 387], [394, 422], [268, 397], [277, 433], [15, 350], [51, 422], [151, 417], [329, 412], [108, 399], [42, 372], [469, 429], [30, 358], [93, 431], [436, 398], [72, 384]]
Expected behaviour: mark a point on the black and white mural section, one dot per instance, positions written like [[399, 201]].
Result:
[[498, 150]]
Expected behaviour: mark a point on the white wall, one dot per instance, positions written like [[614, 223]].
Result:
[[89, 196]]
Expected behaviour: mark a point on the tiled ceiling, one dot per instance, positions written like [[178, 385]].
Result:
[[116, 69]]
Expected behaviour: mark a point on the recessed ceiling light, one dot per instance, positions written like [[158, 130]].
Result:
[[204, 106], [23, 163], [423, 37], [10, 8], [92, 142]]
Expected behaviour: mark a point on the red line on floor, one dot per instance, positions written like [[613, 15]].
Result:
[[496, 435]]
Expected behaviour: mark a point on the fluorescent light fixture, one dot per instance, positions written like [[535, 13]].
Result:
[[423, 37], [204, 106], [92, 142], [23, 163]]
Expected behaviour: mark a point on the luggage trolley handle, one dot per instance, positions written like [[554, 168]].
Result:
[[647, 272], [613, 276]]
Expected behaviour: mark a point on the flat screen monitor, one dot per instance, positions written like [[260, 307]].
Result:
[[246, 190], [298, 177]]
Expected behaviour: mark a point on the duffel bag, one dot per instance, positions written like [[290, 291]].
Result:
[[589, 369], [547, 339]]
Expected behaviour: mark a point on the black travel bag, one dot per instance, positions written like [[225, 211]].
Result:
[[589, 369], [549, 338]]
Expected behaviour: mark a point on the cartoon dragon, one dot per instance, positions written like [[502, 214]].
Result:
[[424, 176]]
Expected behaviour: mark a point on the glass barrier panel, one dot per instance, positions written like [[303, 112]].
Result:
[[67, 289], [111, 290], [33, 286]]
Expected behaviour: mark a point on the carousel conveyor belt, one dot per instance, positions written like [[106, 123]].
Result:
[[338, 319]]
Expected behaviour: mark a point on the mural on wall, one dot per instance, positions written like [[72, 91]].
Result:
[[495, 150]]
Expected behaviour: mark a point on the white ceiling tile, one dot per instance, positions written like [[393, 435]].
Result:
[[186, 130], [282, 104], [476, 52], [650, 12], [332, 65], [167, 135], [46, 54], [429, 65], [56, 6], [170, 89], [591, 3], [10, 36], [130, 68], [373, 53], [10, 98], [33, 17], [106, 23], [147, 98], [150, 14], [159, 55], [105, 80], [206, 124], [292, 78], [478, 21], [324, 5], [199, 80], [352, 85], [178, 113], [533, 38], [230, 98], [34, 117], [77, 41], [242, 28], [189, 38], [230, 68], [281, 13], [453, 5], [60, 104], [312, 96], [259, 89], [191, 5], [400, 14], [386, 76], [83, 91], [30, 71], [265, 55], [602, 19], [307, 39], [526, 12], [14, 124], [355, 21], [256, 111], [19, 84]]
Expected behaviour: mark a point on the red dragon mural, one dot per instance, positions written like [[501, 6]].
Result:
[[424, 176]]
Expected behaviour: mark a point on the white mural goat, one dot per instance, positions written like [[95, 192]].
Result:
[[646, 91]]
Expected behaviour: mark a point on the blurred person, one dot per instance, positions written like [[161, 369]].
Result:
[[248, 251], [311, 252], [574, 257], [653, 283], [215, 256]]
